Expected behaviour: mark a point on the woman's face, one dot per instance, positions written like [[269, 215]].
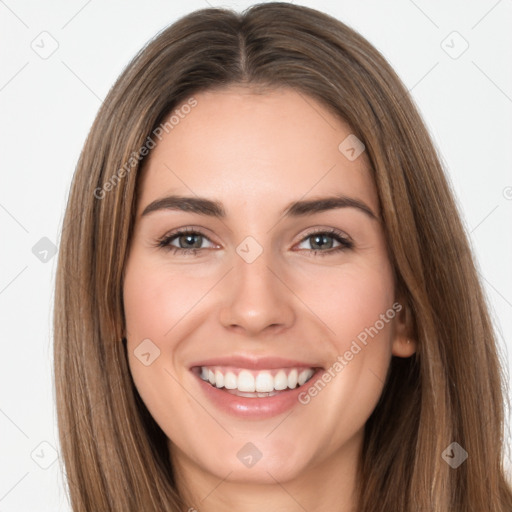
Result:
[[282, 287]]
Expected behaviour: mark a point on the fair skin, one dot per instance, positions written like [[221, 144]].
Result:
[[255, 154]]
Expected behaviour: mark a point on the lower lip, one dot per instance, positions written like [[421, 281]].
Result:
[[255, 408]]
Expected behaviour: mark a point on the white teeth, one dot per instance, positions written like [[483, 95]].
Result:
[[219, 379], [303, 377], [264, 382], [230, 381], [280, 381], [292, 379], [246, 382], [252, 383], [251, 395]]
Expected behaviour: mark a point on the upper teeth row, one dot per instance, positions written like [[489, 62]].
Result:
[[262, 381]]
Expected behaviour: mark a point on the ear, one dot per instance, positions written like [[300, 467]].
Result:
[[404, 340]]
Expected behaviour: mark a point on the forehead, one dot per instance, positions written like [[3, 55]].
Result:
[[242, 147]]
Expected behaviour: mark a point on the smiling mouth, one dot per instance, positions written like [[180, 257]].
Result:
[[252, 383]]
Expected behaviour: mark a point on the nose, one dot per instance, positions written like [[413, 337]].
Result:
[[258, 298]]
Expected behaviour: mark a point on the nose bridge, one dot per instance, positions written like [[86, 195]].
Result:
[[256, 297]]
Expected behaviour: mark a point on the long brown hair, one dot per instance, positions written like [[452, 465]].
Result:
[[452, 390]]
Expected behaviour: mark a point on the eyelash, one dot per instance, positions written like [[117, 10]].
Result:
[[165, 241]]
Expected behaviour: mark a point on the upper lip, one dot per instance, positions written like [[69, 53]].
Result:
[[254, 363]]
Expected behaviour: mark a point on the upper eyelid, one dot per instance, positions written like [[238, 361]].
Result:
[[329, 231]]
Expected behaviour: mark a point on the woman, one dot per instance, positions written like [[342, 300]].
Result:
[[265, 297]]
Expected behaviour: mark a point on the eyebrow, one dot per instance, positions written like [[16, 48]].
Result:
[[211, 208]]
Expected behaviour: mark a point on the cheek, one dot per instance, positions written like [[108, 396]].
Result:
[[357, 309], [350, 299], [156, 299], [159, 302]]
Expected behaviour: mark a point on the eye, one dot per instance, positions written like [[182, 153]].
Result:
[[188, 241], [322, 242]]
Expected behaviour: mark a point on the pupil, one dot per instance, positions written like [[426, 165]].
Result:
[[188, 239], [320, 237]]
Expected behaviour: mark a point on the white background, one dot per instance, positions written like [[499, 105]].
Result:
[[48, 105]]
